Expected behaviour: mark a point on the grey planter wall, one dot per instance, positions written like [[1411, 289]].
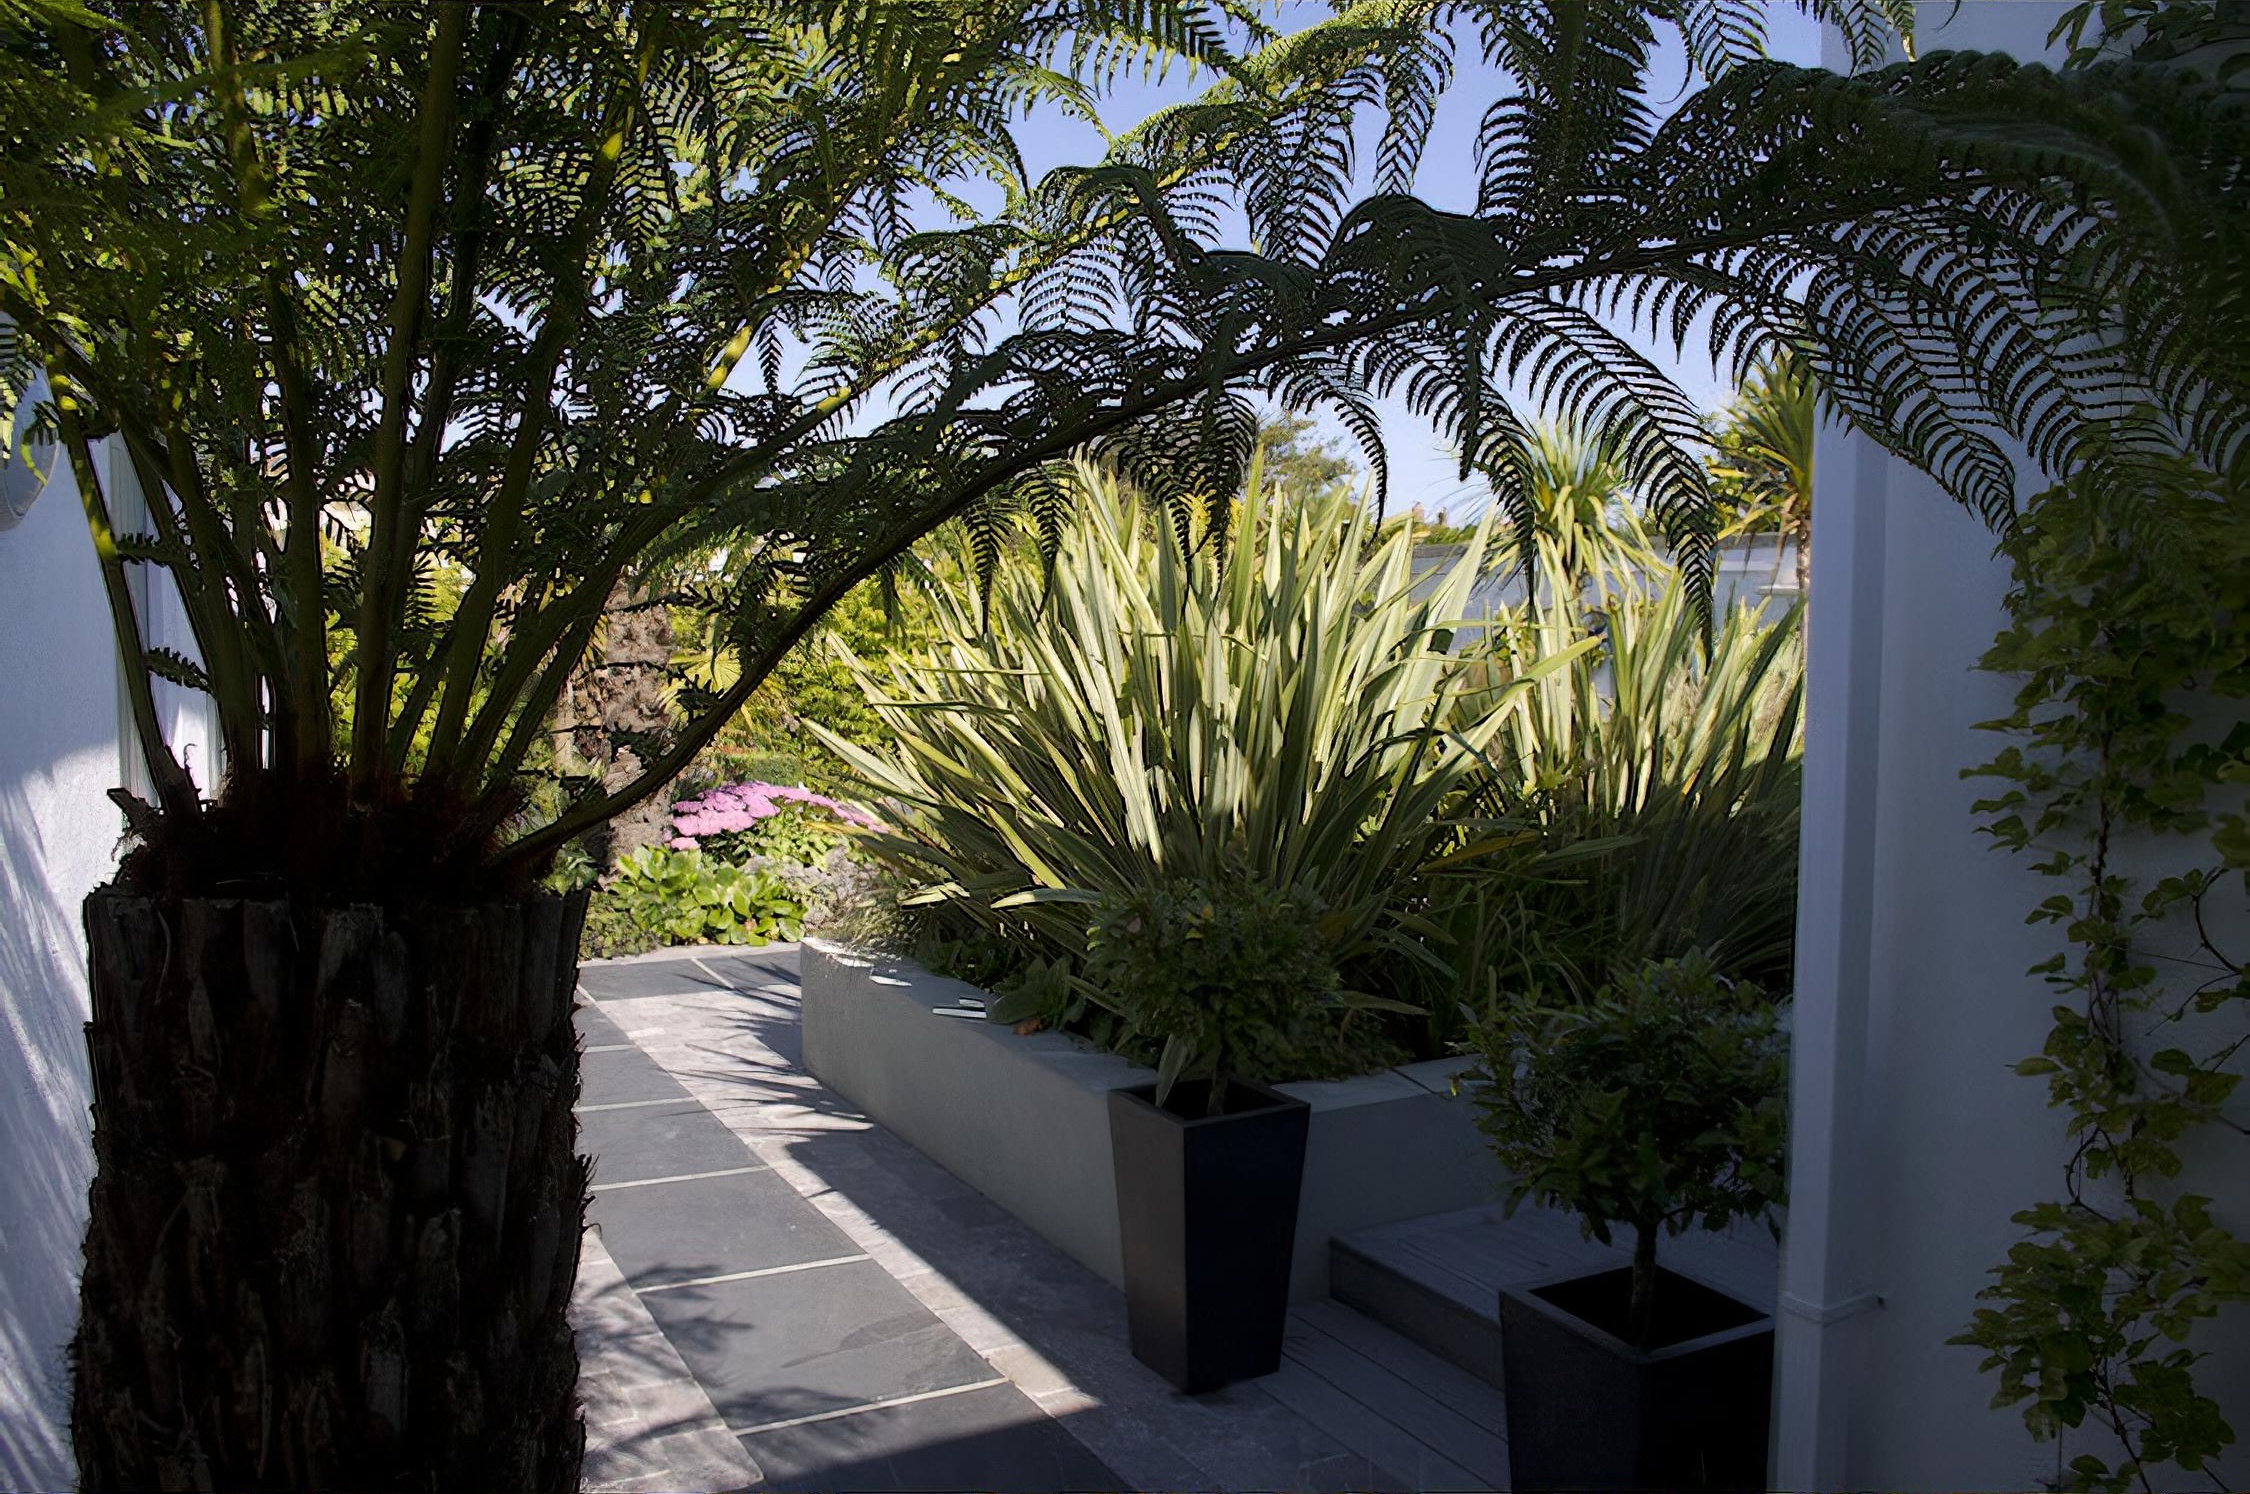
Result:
[[1025, 1120]]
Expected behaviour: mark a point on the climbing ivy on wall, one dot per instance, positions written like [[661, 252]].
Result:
[[2129, 628]]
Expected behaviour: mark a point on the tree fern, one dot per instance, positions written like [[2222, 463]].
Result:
[[553, 295]]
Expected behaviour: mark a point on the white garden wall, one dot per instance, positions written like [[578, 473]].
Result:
[[61, 713], [1913, 1143], [1024, 1118], [58, 757]]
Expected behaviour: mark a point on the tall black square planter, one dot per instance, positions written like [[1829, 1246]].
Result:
[[1587, 1410], [1207, 1216]]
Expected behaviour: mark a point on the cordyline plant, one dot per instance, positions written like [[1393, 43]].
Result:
[[549, 294], [1765, 464]]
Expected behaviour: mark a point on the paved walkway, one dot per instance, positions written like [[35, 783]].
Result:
[[775, 1350], [779, 1294]]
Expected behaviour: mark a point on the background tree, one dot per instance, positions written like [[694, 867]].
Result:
[[1764, 469], [615, 711], [889, 616], [558, 293], [1297, 459], [1575, 513]]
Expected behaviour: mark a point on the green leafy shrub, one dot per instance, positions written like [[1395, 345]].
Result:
[[1283, 709], [1228, 978], [795, 833], [611, 931], [685, 899], [1659, 1102], [574, 868]]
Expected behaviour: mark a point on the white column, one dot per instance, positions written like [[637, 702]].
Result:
[[1822, 1287]]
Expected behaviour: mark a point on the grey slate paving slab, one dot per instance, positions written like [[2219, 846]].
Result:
[[595, 1029], [626, 1074], [659, 1142], [671, 1232], [649, 1426], [1058, 1330], [956, 1293], [654, 978], [777, 1348], [953, 1442]]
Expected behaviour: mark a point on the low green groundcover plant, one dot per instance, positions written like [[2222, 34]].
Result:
[[611, 933], [1659, 1103], [687, 899]]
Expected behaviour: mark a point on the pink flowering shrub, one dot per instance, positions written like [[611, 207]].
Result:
[[780, 822]]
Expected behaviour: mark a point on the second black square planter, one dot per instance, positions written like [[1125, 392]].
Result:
[[1586, 1410], [1207, 1218]]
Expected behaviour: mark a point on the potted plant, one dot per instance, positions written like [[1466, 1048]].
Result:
[[1208, 1162], [1658, 1104]]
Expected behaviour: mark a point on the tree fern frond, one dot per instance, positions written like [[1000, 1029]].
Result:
[[747, 312]]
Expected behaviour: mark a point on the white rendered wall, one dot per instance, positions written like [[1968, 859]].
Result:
[[58, 834], [61, 716], [1912, 1142]]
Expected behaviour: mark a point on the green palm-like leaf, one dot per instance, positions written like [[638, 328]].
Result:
[[1662, 771], [1284, 709], [1765, 454]]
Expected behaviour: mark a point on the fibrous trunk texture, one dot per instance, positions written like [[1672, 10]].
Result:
[[337, 1199], [616, 706]]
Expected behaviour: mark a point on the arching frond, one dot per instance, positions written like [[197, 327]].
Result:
[[554, 294]]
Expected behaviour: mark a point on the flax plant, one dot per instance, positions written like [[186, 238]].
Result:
[[1660, 772], [1286, 708]]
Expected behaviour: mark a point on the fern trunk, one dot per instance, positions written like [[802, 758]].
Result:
[[336, 1207], [617, 708]]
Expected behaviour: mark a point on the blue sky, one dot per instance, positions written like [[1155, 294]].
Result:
[[1421, 468]]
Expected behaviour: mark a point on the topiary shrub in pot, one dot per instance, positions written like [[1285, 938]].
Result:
[[1209, 1161], [1658, 1105]]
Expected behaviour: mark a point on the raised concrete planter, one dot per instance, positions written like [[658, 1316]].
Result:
[[1025, 1120]]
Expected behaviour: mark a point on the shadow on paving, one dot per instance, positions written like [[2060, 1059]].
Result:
[[830, 1374], [1240, 1437], [989, 1439], [771, 1021]]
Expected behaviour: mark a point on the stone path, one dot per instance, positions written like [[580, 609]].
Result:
[[760, 1345], [780, 1294]]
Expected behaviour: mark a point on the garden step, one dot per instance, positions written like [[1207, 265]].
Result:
[[1399, 1406], [1436, 1280]]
